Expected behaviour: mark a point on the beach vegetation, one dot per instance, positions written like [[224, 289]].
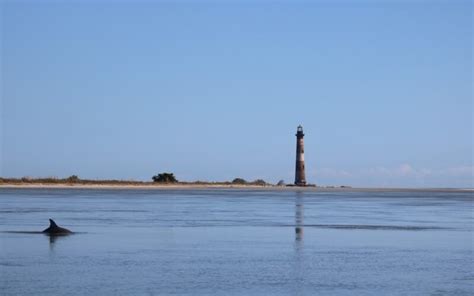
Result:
[[239, 181], [259, 182], [72, 179], [164, 178]]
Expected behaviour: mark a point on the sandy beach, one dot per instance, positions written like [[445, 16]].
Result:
[[152, 186]]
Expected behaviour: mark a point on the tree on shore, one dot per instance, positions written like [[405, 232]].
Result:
[[72, 179], [239, 181], [259, 182], [281, 183], [164, 178]]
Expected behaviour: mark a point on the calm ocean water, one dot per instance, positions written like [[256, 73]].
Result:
[[236, 242]]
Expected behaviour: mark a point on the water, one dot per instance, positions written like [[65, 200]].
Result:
[[236, 242]]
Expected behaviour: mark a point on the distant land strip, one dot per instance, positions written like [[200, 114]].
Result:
[[75, 182]]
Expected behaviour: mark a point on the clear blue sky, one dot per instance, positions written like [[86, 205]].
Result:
[[213, 91]]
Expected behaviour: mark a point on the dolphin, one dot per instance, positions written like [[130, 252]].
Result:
[[54, 229]]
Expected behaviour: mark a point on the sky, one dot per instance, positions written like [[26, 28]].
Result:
[[214, 90]]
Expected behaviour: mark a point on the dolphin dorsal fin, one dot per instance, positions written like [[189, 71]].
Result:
[[52, 223]]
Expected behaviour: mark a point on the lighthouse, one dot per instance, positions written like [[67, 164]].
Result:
[[300, 178]]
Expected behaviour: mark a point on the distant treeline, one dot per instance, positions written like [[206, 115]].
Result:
[[163, 178], [70, 180]]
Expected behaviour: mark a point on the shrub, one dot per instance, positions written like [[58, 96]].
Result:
[[239, 181], [259, 182], [72, 179], [164, 178]]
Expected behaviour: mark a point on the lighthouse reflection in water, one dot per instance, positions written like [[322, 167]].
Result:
[[299, 215]]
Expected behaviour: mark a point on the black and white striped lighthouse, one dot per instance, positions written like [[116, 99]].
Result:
[[300, 178]]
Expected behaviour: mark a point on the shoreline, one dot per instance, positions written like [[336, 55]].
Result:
[[222, 186]]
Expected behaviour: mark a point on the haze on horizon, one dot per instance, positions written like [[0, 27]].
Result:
[[214, 91]]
